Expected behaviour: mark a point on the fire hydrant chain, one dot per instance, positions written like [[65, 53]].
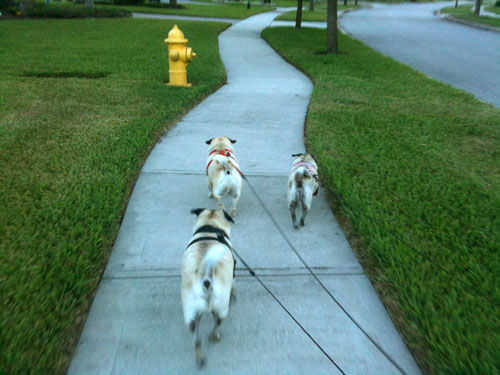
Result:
[[178, 57]]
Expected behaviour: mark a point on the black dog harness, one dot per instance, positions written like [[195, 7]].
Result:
[[222, 237]]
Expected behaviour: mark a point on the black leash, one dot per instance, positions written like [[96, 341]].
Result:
[[252, 272]]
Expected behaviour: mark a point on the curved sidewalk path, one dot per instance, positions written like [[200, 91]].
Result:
[[328, 319]]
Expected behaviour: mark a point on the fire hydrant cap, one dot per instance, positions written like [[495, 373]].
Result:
[[176, 36]]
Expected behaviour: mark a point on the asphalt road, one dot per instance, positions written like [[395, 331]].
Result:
[[462, 56]]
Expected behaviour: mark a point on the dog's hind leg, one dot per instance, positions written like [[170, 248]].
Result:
[[236, 199], [218, 198], [232, 296], [293, 207], [210, 190], [194, 326], [215, 335], [305, 210]]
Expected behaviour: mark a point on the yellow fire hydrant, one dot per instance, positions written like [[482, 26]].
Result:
[[178, 57]]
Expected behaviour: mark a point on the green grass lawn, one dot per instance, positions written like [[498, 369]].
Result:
[[466, 12], [318, 15], [226, 10], [412, 167], [82, 102]]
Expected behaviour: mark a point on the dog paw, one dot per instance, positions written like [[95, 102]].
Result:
[[201, 362], [302, 223], [210, 195], [233, 213], [214, 337], [295, 226]]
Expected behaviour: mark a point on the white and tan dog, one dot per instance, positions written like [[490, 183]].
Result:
[[223, 171], [302, 185], [208, 274]]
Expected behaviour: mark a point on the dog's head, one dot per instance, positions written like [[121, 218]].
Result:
[[215, 218], [308, 158], [220, 143]]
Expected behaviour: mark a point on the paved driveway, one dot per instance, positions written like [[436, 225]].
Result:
[[460, 55]]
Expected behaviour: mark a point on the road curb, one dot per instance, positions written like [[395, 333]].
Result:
[[341, 14], [450, 18]]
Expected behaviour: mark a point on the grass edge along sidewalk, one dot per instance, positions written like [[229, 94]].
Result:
[[412, 165], [82, 103]]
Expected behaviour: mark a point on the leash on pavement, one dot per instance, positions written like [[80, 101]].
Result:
[[377, 345], [252, 272]]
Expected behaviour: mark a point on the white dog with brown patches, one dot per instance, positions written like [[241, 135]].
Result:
[[208, 268], [223, 171], [302, 185]]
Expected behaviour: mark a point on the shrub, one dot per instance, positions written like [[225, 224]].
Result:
[[9, 6], [128, 2], [497, 4], [40, 10]]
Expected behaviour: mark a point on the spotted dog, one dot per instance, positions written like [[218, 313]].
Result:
[[303, 183]]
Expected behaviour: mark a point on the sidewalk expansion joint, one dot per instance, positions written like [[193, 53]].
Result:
[[241, 272]]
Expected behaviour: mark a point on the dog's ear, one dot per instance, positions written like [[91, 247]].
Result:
[[209, 141], [228, 217], [197, 211], [232, 140], [297, 155]]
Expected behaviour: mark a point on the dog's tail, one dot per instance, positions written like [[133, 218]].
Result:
[[299, 179], [299, 176], [223, 162], [229, 166], [211, 260]]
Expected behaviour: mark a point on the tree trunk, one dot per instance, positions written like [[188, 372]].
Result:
[[173, 3], [345, 2], [311, 5], [298, 19], [89, 3], [478, 7], [331, 28], [456, 3]]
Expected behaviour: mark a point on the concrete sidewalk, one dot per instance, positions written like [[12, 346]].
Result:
[[323, 316]]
